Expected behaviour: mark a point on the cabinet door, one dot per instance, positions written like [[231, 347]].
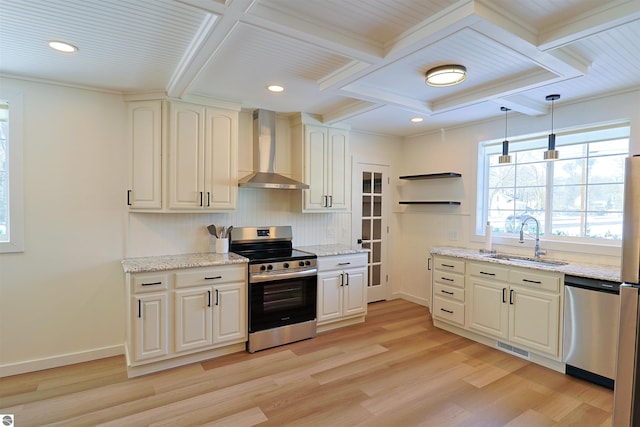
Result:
[[535, 319], [221, 165], [186, 157], [230, 313], [338, 175], [355, 291], [488, 307], [329, 296], [150, 330], [315, 167], [193, 319], [145, 150]]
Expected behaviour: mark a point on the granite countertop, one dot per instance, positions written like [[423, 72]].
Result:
[[330, 250], [593, 271], [171, 262]]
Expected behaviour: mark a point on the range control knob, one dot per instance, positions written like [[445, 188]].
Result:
[[270, 267], [307, 262], [285, 265], [263, 268], [301, 263]]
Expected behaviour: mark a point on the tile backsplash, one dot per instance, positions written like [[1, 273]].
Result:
[[151, 234]]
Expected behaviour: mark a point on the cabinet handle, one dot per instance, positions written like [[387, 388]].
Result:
[[511, 296], [429, 264], [446, 292], [330, 201], [344, 263], [217, 297], [341, 279], [447, 279], [152, 284], [531, 281], [201, 195], [347, 283], [504, 295], [208, 198], [213, 278], [487, 274], [128, 197], [446, 265], [139, 309], [446, 311], [209, 298]]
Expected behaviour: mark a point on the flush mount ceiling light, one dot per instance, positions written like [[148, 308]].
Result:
[[446, 75], [63, 47], [416, 120], [505, 158], [552, 153], [275, 88]]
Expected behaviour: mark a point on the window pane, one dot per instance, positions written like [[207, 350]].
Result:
[[568, 171], [619, 146], [603, 198], [606, 169], [604, 225], [502, 175]]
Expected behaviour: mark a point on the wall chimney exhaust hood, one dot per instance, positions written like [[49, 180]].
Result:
[[264, 154]]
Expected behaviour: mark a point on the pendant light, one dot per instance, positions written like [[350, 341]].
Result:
[[505, 158], [552, 153]]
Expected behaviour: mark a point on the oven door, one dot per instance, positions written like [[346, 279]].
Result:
[[283, 302]]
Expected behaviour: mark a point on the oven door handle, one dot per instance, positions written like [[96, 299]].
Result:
[[272, 277]]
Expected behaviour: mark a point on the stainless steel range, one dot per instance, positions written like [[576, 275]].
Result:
[[282, 286]]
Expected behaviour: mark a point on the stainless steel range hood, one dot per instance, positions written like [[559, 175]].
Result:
[[264, 154]]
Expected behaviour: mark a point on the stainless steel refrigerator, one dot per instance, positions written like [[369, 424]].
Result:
[[626, 400]]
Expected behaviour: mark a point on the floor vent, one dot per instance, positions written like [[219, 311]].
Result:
[[512, 349]]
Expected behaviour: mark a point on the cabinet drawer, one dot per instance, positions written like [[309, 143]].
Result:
[[211, 275], [448, 278], [452, 311], [535, 280], [448, 292], [488, 271], [149, 282], [341, 262], [448, 264]]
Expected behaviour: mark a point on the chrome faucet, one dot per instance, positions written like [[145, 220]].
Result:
[[537, 251]]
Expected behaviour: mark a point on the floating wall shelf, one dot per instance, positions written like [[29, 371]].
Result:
[[431, 176]]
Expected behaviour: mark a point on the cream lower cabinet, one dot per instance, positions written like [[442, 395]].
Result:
[[342, 290], [182, 316], [517, 305], [449, 290]]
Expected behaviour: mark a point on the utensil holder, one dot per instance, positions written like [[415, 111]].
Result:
[[222, 246]]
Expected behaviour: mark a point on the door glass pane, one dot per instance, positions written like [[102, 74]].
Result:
[[377, 206], [377, 183], [366, 182], [376, 251], [366, 229], [375, 275], [377, 229], [366, 206]]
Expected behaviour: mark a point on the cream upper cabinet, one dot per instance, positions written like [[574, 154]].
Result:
[[202, 160], [145, 145], [320, 158]]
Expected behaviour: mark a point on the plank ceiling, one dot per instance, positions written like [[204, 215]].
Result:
[[355, 61]]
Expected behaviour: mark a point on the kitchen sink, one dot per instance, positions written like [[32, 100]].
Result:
[[527, 260]]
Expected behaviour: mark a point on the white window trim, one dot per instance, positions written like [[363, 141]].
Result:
[[16, 182], [600, 247]]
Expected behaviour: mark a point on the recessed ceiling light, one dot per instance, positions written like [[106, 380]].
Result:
[[446, 75], [416, 120], [62, 46], [275, 88]]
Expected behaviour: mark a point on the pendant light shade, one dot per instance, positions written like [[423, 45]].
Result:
[[551, 153], [505, 158]]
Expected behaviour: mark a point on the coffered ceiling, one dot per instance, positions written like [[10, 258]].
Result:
[[356, 61]]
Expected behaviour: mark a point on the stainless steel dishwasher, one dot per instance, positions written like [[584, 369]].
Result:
[[591, 310]]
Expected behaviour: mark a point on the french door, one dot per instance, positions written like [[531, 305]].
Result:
[[370, 213]]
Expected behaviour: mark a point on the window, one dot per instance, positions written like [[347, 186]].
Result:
[[11, 198], [576, 198]]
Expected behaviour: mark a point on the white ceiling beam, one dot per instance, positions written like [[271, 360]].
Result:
[[522, 104], [601, 19], [352, 110], [210, 36], [379, 95]]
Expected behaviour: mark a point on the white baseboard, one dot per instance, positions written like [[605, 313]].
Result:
[[62, 360], [412, 298]]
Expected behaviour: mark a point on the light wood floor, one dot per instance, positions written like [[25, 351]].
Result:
[[394, 370]]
